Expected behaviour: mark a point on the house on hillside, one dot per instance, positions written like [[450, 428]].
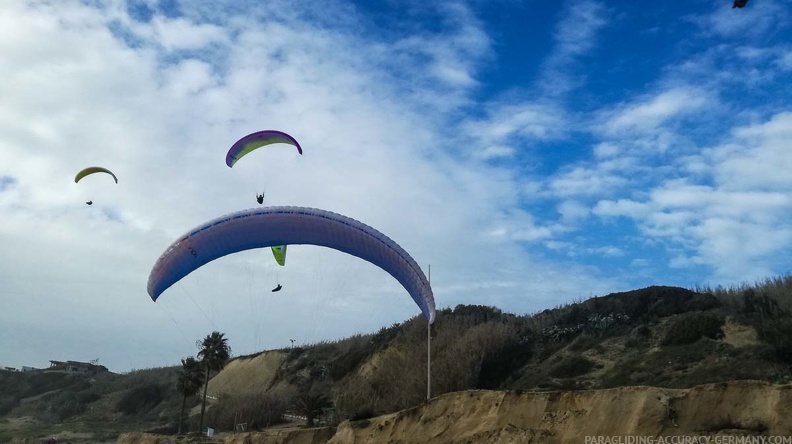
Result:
[[87, 368]]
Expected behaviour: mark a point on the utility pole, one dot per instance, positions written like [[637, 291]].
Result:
[[429, 348]]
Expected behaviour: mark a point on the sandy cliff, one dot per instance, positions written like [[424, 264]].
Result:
[[476, 416]]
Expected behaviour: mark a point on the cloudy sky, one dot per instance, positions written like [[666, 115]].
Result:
[[533, 153]]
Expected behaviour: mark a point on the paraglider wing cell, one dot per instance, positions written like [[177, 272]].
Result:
[[256, 140], [273, 226], [92, 170]]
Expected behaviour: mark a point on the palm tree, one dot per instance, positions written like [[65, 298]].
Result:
[[214, 354], [310, 404], [190, 380]]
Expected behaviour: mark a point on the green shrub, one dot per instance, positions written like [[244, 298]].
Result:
[[385, 335], [583, 343], [763, 306], [359, 424], [472, 315], [8, 404], [87, 397], [778, 334], [257, 410], [142, 398], [347, 362], [688, 328], [68, 408], [571, 367]]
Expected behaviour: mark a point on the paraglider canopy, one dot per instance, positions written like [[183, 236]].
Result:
[[273, 226], [255, 140], [92, 170]]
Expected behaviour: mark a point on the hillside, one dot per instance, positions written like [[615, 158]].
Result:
[[634, 346]]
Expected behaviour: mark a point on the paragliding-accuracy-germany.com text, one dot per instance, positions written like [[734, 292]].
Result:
[[686, 439]]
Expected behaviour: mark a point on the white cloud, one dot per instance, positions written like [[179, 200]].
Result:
[[572, 211], [652, 112], [620, 207], [784, 61], [606, 149], [758, 158], [181, 34], [745, 23], [736, 222], [510, 122], [585, 181], [575, 36]]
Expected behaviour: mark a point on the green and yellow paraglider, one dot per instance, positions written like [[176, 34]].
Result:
[[93, 170]]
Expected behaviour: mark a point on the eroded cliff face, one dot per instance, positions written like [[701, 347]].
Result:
[[248, 375], [735, 408]]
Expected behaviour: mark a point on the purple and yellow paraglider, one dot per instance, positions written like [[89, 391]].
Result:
[[256, 140]]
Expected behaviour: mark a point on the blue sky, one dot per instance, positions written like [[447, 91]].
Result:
[[534, 153]]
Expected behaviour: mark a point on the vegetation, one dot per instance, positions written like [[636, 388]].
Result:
[[190, 380], [661, 336], [688, 328], [142, 398], [253, 411], [214, 355], [310, 405]]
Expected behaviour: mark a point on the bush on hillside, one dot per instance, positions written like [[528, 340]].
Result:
[[258, 411], [8, 404], [652, 302], [571, 367], [761, 305], [688, 328], [778, 334], [142, 398], [584, 342], [476, 314], [500, 361]]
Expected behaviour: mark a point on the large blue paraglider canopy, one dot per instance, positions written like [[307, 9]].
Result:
[[265, 227]]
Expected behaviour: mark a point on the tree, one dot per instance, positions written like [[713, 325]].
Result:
[[190, 380], [214, 354], [310, 405]]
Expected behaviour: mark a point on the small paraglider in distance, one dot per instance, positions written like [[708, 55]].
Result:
[[260, 198], [278, 288], [739, 3], [93, 170]]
